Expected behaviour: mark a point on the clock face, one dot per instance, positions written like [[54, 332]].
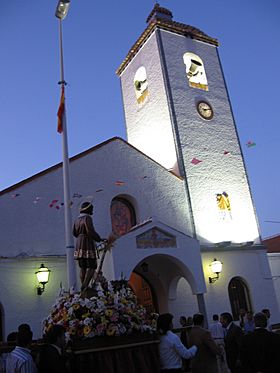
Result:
[[205, 110]]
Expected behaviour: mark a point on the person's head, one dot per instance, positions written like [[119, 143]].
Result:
[[260, 320], [24, 337], [183, 320], [266, 312], [225, 319], [189, 321], [24, 327], [12, 337], [242, 312], [56, 335], [86, 208], [198, 319], [164, 323], [215, 317], [249, 315]]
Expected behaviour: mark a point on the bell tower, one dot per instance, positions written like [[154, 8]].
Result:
[[178, 112]]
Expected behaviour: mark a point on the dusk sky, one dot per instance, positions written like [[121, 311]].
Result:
[[97, 37]]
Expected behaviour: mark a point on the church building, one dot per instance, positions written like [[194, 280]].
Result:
[[176, 193]]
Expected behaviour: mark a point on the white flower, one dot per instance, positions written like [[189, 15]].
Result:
[[67, 337], [70, 311], [87, 321], [72, 323]]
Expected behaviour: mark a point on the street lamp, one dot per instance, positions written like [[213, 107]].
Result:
[[62, 9], [61, 12]]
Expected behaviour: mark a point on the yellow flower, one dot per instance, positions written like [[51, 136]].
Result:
[[110, 331], [49, 327], [87, 330], [76, 306], [109, 313]]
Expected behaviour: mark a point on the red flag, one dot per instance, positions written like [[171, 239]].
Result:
[[195, 161], [61, 111]]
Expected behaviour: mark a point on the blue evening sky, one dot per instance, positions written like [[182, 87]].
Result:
[[97, 37]]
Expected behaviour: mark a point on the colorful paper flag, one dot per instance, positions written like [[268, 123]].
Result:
[[99, 190], [36, 200], [195, 161], [61, 111], [250, 144], [15, 195], [54, 204], [119, 183], [77, 195]]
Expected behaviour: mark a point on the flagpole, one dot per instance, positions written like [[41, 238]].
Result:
[[69, 243]]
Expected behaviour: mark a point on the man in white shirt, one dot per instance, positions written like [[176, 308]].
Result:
[[218, 334], [216, 329], [171, 349], [20, 359]]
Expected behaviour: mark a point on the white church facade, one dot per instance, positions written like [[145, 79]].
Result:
[[176, 193]]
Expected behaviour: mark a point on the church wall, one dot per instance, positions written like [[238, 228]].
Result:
[[18, 293], [32, 230], [185, 303], [38, 229], [274, 262], [156, 191], [250, 265], [207, 141]]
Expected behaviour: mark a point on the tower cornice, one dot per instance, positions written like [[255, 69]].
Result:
[[167, 25]]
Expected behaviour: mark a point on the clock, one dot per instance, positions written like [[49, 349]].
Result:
[[205, 110]]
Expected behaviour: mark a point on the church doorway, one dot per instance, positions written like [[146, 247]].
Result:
[[143, 291], [239, 296]]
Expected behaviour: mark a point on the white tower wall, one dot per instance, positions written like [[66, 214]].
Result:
[[168, 122]]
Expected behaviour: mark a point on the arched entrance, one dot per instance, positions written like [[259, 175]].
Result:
[[144, 292], [163, 283]]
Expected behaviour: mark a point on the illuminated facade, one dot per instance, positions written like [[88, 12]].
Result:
[[176, 194]]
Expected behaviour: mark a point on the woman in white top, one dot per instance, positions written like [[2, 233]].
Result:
[[171, 349]]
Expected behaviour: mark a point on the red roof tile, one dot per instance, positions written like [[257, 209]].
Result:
[[272, 244]]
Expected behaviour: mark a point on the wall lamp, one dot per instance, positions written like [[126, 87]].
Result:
[[216, 267], [42, 274]]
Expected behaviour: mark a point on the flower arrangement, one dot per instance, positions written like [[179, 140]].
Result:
[[113, 311]]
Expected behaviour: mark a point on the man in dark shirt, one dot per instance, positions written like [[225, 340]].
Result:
[[233, 338], [52, 358], [260, 350]]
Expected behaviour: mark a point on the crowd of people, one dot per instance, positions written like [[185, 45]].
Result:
[[22, 359], [246, 346]]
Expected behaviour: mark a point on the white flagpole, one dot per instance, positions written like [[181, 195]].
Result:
[[71, 268]]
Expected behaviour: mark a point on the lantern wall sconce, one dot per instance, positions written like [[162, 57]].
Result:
[[216, 267], [42, 274]]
